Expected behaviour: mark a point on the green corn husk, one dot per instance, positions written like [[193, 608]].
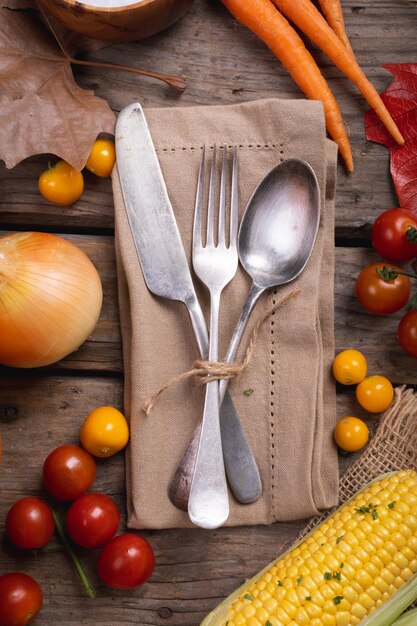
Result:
[[408, 619]]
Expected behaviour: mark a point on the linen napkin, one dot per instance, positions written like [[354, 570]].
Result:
[[290, 414]]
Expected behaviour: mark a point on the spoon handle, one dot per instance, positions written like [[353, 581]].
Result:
[[253, 296], [241, 468]]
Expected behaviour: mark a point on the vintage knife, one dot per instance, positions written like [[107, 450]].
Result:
[[165, 268]]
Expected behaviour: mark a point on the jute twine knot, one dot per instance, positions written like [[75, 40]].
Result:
[[204, 371]]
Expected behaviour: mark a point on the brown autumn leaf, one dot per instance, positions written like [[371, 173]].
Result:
[[42, 109]]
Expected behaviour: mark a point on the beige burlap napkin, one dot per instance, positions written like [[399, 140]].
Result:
[[290, 415]]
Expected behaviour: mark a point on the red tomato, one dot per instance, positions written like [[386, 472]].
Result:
[[20, 599], [30, 523], [380, 296], [393, 233], [68, 471], [126, 561], [407, 333], [92, 520]]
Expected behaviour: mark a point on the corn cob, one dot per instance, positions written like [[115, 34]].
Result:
[[346, 570]]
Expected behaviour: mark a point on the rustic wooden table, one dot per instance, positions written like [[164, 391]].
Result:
[[223, 63]]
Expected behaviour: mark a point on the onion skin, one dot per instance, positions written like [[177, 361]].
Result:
[[50, 299]]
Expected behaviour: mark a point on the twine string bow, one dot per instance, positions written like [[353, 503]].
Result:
[[204, 371]]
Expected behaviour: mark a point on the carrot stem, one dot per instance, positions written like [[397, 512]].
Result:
[[262, 18], [308, 18]]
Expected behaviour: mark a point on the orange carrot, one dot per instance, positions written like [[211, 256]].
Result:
[[309, 19], [332, 10], [262, 18]]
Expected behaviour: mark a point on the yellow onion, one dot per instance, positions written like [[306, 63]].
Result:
[[50, 299]]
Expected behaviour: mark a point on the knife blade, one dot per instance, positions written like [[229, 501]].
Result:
[[166, 272]]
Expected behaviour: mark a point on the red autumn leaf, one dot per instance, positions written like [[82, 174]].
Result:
[[401, 101]]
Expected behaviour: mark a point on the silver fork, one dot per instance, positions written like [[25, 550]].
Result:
[[215, 265]]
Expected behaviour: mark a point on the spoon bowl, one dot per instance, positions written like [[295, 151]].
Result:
[[280, 224]]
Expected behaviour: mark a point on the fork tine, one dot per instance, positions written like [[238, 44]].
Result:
[[211, 201], [222, 199], [234, 201], [199, 201]]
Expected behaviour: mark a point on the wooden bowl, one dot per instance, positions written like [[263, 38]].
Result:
[[116, 20]]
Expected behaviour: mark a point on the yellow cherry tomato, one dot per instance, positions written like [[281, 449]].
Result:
[[375, 393], [102, 158], [349, 367], [104, 432], [61, 184], [351, 434]]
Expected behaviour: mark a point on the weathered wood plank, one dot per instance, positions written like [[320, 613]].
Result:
[[195, 569], [354, 328], [224, 63]]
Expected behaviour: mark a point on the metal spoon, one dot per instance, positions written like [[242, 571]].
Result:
[[276, 238]]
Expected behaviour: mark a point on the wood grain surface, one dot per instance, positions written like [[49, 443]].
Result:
[[222, 63]]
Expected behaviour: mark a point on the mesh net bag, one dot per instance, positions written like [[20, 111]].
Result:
[[392, 448]]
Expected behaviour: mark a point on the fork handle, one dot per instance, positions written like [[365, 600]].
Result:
[[208, 504], [199, 326]]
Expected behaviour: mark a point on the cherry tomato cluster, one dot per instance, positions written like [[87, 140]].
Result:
[[91, 521], [62, 184], [384, 288], [373, 393]]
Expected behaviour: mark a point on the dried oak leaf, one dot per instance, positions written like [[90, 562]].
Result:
[[401, 101], [42, 109]]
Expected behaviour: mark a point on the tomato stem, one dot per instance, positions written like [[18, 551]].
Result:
[[411, 234], [68, 548], [391, 273]]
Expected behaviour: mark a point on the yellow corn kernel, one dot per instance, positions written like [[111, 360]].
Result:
[[270, 588], [302, 618], [317, 598], [328, 620], [343, 619], [249, 611], [262, 615], [282, 616], [371, 569], [264, 595], [358, 610], [366, 601], [399, 540], [376, 541], [350, 594], [270, 605], [252, 621], [394, 569], [312, 610], [363, 578], [292, 597], [289, 608], [330, 607], [374, 593], [239, 619]]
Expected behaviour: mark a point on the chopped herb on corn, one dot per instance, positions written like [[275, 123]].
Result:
[[344, 571]]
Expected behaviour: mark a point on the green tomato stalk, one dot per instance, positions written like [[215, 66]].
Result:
[[69, 549]]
